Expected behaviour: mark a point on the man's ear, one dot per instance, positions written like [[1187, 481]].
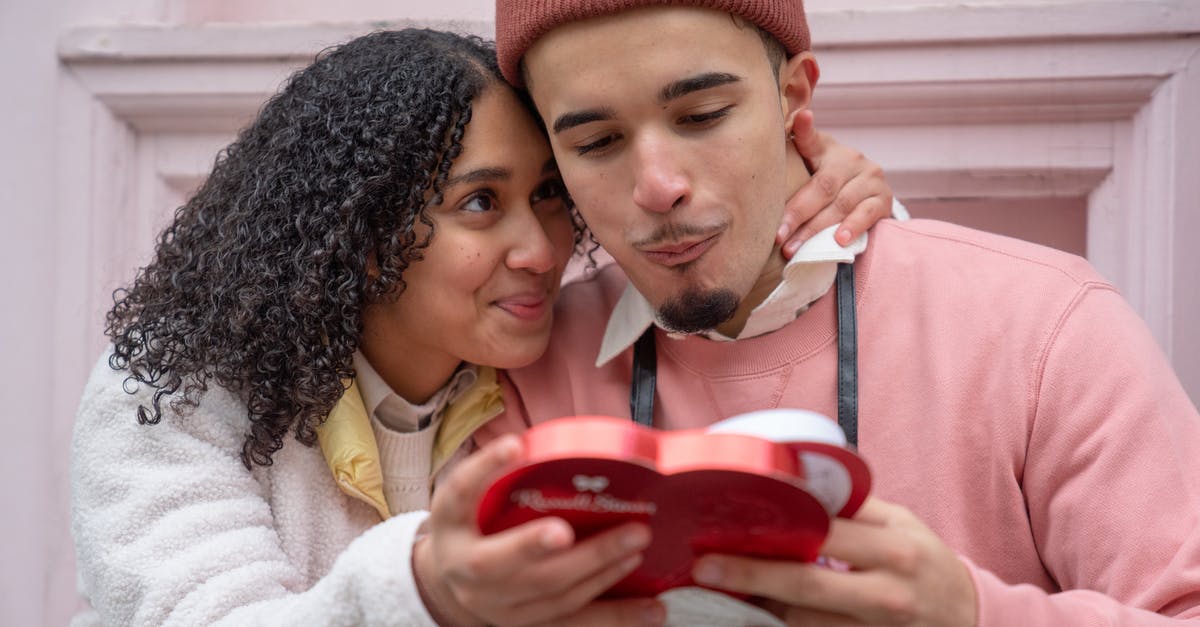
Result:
[[797, 79]]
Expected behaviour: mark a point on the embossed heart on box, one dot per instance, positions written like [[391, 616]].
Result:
[[729, 489]]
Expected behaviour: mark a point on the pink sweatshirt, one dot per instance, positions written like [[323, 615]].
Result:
[[1008, 396]]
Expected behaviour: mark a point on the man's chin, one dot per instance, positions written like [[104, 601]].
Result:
[[695, 310]]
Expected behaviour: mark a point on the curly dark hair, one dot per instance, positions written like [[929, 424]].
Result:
[[259, 282]]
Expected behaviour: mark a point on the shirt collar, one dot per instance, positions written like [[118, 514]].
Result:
[[396, 413], [807, 276]]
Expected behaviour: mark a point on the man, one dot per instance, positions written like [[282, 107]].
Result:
[[1032, 450]]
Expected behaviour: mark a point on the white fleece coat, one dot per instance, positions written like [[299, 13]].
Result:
[[171, 529]]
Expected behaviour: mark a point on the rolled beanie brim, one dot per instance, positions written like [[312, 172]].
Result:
[[520, 23]]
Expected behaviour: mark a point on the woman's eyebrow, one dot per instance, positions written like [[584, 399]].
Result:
[[494, 174], [479, 175]]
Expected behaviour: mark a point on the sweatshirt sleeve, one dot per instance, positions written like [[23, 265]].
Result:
[[171, 529], [1111, 480]]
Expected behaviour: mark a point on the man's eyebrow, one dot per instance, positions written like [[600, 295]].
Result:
[[575, 118], [481, 174], [691, 84], [677, 89]]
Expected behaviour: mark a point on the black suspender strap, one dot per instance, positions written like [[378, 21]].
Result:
[[645, 363], [645, 369], [847, 368]]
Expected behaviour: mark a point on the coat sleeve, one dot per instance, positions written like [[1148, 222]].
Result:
[[1112, 480], [171, 529]]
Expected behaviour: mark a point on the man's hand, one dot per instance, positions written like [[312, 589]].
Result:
[[532, 574], [846, 187], [900, 573]]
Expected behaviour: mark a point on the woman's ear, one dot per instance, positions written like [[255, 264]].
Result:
[[372, 267], [797, 79]]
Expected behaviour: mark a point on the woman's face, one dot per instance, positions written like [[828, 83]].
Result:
[[483, 290]]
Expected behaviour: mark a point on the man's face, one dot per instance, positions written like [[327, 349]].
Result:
[[669, 127]]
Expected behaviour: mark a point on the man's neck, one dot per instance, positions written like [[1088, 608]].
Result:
[[772, 272], [770, 278]]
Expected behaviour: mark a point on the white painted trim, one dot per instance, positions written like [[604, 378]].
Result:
[[231, 42], [963, 22], [1017, 21]]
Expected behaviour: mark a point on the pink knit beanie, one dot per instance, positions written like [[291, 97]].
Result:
[[519, 23]]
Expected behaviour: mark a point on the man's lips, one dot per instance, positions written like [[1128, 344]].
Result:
[[679, 253], [525, 306]]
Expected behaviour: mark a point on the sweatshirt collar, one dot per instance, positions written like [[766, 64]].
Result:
[[808, 275]]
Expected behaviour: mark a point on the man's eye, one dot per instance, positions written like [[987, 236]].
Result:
[[478, 202], [702, 118], [599, 144]]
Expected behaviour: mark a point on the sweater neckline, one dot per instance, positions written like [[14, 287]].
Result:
[[801, 339]]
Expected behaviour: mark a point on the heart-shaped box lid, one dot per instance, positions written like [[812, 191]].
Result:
[[732, 488]]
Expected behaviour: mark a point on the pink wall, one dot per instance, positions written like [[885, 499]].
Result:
[[316, 10], [1066, 122], [33, 517]]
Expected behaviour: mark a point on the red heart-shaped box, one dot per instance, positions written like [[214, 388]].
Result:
[[700, 492]]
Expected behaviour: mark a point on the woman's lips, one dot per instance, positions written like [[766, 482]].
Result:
[[680, 253], [525, 307]]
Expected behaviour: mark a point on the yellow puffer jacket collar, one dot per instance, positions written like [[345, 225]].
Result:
[[349, 446]]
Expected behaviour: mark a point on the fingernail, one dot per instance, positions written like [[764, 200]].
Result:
[[783, 231], [635, 539], [506, 448], [708, 572], [554, 537], [844, 237], [653, 614], [792, 247]]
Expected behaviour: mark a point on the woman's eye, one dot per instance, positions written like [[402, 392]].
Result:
[[702, 118], [479, 202], [551, 189], [550, 197]]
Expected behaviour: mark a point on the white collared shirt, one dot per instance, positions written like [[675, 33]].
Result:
[[396, 413], [405, 433], [808, 275]]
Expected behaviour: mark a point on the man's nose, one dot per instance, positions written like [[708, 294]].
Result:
[[660, 183]]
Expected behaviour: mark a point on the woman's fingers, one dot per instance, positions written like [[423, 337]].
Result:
[[846, 188]]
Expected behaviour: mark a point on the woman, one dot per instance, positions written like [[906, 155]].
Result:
[[391, 217]]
